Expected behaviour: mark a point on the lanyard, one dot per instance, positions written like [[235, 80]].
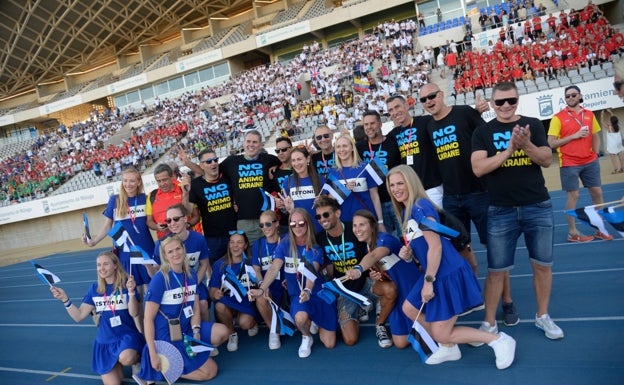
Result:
[[409, 138], [344, 253], [132, 215], [580, 123], [114, 300], [186, 290], [324, 162], [370, 149]]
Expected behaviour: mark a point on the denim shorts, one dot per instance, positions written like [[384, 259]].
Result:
[[471, 206], [588, 173], [347, 309], [505, 224]]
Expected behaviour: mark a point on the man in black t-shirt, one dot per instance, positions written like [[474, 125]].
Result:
[[324, 159]]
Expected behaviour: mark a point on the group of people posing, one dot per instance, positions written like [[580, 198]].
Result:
[[279, 226]]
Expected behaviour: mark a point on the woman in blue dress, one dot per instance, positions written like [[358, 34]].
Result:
[[305, 305], [128, 207], [114, 298], [172, 299], [448, 286], [228, 307], [383, 251]]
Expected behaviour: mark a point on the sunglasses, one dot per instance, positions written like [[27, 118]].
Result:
[[510, 101], [175, 219], [297, 224], [266, 224], [325, 215], [280, 150], [239, 232], [324, 136], [211, 160], [617, 86], [568, 96], [429, 97]]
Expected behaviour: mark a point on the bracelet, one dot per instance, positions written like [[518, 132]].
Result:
[[359, 268], [67, 304], [67, 300], [196, 327], [131, 293], [308, 291], [380, 222]]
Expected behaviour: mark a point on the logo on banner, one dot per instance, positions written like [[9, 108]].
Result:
[[545, 105], [46, 207]]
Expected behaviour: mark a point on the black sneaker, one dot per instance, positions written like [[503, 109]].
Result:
[[510, 315]]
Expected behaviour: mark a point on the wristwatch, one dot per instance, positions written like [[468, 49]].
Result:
[[429, 278]]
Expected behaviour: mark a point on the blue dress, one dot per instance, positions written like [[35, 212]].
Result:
[[135, 223], [319, 311], [456, 288], [404, 275], [360, 197], [112, 340], [216, 279], [262, 255], [172, 298]]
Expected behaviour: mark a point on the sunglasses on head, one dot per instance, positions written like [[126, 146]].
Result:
[[568, 96], [280, 150], [239, 232], [429, 97], [325, 215], [266, 224], [510, 101], [297, 224], [323, 136], [175, 219], [211, 160], [617, 86]]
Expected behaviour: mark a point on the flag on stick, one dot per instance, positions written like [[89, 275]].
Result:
[[281, 321], [420, 340], [377, 171], [249, 270], [231, 282], [336, 189], [615, 218], [304, 267], [589, 215], [268, 200], [197, 346], [46, 275], [138, 256], [85, 223], [120, 236], [337, 287]]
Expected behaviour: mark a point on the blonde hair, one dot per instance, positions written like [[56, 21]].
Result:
[[120, 274], [354, 153], [415, 191], [165, 266], [122, 199], [310, 238]]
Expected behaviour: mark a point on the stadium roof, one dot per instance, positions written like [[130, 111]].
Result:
[[43, 40]]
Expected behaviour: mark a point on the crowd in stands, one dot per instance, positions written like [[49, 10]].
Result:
[[345, 81]]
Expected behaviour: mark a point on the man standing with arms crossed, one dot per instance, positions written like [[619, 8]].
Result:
[[508, 152], [465, 195], [575, 133]]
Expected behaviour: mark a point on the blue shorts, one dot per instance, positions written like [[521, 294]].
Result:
[[588, 173], [347, 309], [505, 224]]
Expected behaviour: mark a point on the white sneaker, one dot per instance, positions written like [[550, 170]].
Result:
[[136, 368], [383, 340], [549, 327], [232, 344], [305, 349], [443, 354], [486, 327], [253, 331], [504, 349], [214, 352], [314, 328], [274, 341]]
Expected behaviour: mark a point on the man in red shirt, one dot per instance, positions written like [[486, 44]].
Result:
[[575, 133]]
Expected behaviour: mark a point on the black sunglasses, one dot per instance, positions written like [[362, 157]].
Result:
[[323, 136], [239, 232], [175, 219], [266, 224], [429, 97], [568, 96], [617, 86], [501, 102], [324, 215], [211, 160], [280, 150], [297, 224]]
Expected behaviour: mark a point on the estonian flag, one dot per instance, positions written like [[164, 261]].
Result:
[[421, 341], [377, 171], [45, 275], [336, 189], [337, 287], [615, 218], [231, 282], [120, 236], [268, 201], [304, 267], [138, 256], [281, 321], [589, 215], [85, 222], [198, 346]]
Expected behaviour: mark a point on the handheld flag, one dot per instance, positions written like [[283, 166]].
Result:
[[138, 256], [377, 170], [120, 236], [615, 218], [197, 346], [281, 321], [249, 270], [85, 223], [336, 189], [589, 215], [337, 287], [231, 282], [268, 201], [304, 267], [420, 340], [46, 275], [440, 229]]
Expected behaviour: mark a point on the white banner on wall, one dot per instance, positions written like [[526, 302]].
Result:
[[60, 105], [199, 60], [284, 33], [122, 85], [7, 119]]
